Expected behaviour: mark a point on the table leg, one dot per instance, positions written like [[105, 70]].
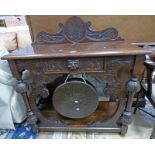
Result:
[[133, 87]]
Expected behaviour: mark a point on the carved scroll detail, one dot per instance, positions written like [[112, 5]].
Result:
[[75, 30], [43, 37]]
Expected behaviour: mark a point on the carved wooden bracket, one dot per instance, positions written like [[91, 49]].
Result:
[[75, 30]]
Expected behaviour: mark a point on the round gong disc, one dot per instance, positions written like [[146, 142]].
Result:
[[75, 99]]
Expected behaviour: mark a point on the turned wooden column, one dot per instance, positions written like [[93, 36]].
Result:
[[133, 87]]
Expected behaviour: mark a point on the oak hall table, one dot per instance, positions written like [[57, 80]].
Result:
[[78, 79]]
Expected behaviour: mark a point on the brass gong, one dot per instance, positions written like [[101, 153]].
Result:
[[75, 99]]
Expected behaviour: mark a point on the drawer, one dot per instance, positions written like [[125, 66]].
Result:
[[73, 65]]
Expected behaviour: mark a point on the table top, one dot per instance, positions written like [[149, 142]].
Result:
[[89, 49]]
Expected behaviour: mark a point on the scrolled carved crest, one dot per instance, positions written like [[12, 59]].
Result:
[[75, 30]]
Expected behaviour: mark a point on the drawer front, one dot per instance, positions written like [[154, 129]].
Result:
[[73, 65], [109, 65]]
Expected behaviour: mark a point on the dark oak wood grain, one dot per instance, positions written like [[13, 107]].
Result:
[[97, 49], [109, 66]]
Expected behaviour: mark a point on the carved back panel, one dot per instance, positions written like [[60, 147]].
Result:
[[75, 30]]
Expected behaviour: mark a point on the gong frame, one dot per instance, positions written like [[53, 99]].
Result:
[[110, 125]]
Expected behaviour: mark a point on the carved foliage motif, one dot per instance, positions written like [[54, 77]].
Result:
[[63, 65], [75, 30], [73, 64], [38, 69], [113, 65]]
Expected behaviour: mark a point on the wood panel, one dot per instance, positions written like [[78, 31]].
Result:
[[89, 49], [104, 111], [132, 28]]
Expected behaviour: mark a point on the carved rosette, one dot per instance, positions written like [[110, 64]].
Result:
[[73, 65]]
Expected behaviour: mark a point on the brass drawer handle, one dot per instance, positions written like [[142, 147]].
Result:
[[73, 64]]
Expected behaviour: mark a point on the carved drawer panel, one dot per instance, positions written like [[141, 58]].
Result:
[[109, 65], [65, 65], [73, 65]]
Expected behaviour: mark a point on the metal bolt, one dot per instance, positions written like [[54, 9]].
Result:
[[76, 101], [77, 109]]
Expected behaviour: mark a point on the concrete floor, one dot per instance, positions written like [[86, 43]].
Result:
[[140, 128]]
